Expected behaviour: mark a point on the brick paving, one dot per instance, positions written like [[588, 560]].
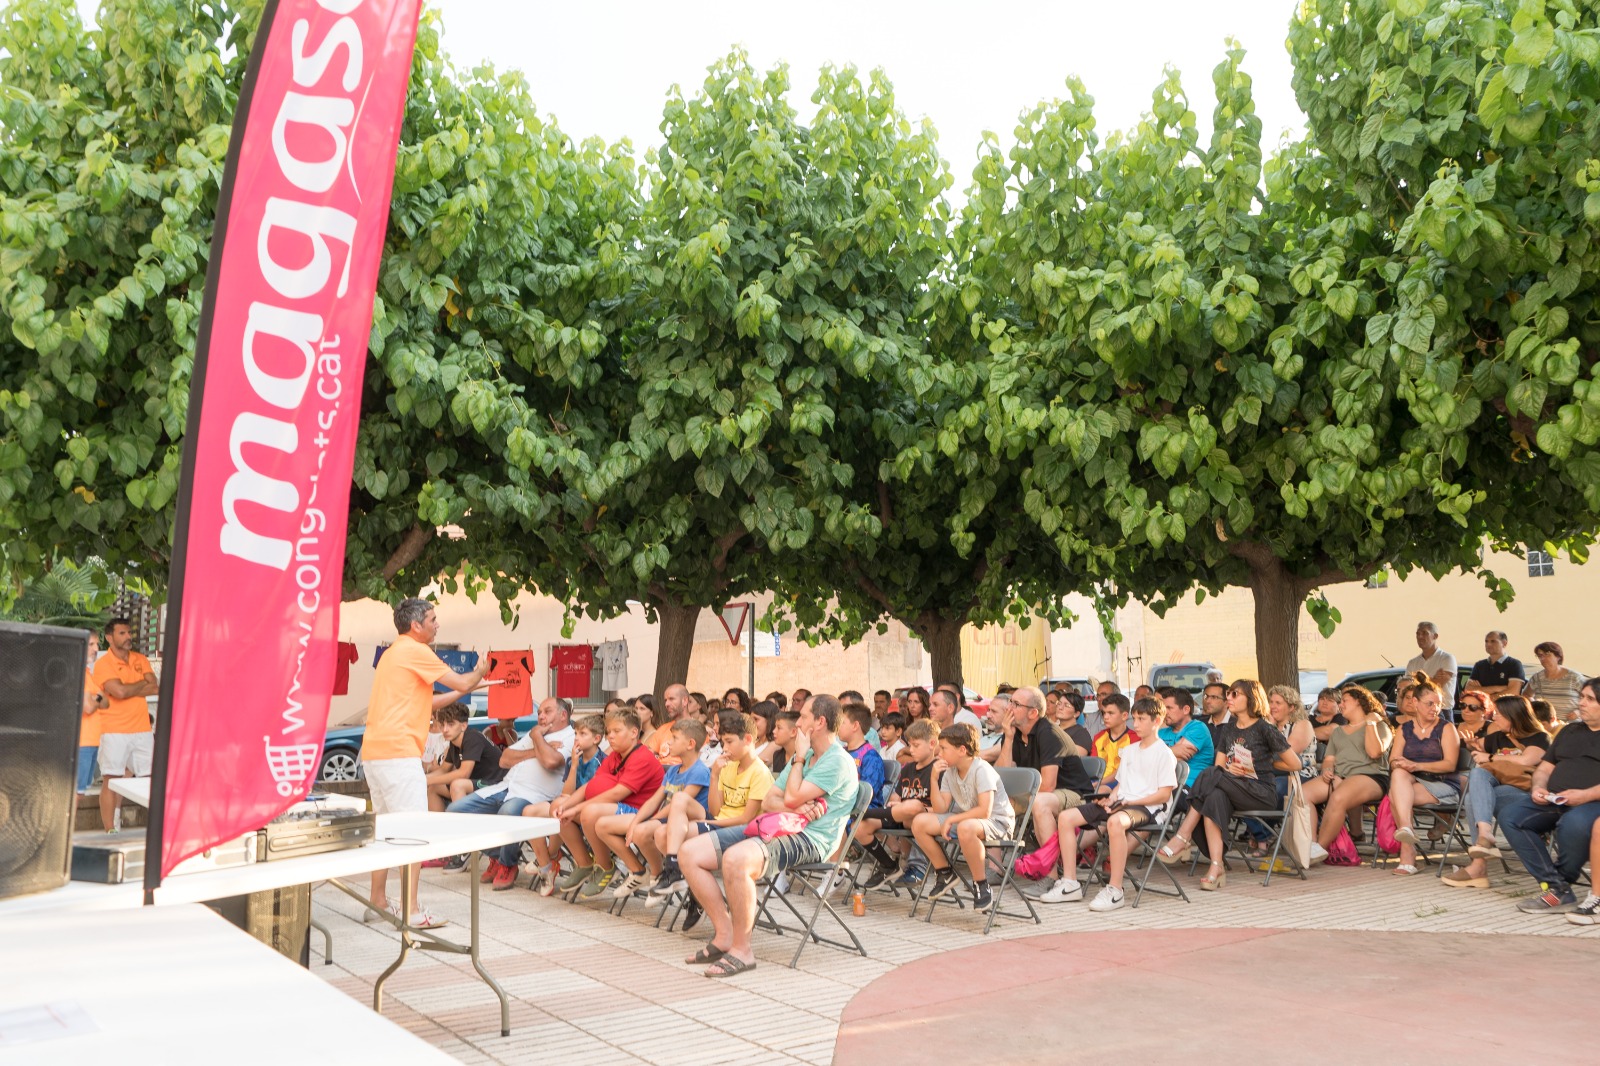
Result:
[[593, 988]]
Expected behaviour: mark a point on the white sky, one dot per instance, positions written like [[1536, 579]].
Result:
[[604, 68]]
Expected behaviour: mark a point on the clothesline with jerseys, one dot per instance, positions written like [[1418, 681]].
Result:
[[512, 696]]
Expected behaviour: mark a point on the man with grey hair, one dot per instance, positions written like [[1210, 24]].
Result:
[[398, 713], [995, 721], [1032, 740], [1497, 674], [1434, 661], [536, 767]]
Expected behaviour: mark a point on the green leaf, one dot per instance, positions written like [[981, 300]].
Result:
[[1532, 44]]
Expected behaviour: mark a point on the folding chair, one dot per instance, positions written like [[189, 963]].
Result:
[[1025, 782], [1147, 842], [817, 880], [1269, 818], [1094, 766]]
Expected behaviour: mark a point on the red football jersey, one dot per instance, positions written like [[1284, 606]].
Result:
[[573, 663], [513, 697], [342, 658]]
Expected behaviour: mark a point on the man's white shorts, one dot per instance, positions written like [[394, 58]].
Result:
[[397, 786], [126, 754]]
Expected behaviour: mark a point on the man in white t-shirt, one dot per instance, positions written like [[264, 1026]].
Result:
[[946, 711], [536, 768], [1434, 661]]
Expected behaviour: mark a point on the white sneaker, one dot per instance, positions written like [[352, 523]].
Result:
[[782, 884], [629, 885], [1107, 899], [1065, 890], [1318, 853]]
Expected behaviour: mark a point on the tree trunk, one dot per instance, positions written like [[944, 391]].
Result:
[[674, 646], [941, 635], [1279, 595]]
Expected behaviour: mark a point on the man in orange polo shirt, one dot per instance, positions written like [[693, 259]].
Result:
[[402, 704], [94, 701], [126, 744]]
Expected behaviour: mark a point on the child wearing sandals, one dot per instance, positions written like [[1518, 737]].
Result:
[[1147, 773], [970, 807]]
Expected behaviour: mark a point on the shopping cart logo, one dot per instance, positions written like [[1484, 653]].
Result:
[[291, 764]]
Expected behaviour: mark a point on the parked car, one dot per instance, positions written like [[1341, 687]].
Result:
[[1382, 683], [1191, 676], [1082, 685], [1311, 683], [341, 748]]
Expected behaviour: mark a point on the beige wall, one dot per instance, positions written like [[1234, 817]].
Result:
[[1379, 624]]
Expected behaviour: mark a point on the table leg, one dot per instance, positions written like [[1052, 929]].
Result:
[[477, 963], [327, 942], [405, 937]]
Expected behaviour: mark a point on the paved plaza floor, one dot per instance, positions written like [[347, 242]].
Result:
[[1352, 965]]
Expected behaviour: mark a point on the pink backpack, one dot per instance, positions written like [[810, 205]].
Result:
[[1038, 864], [1342, 852], [1384, 834]]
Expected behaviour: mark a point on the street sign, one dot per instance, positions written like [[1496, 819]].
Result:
[[734, 616]]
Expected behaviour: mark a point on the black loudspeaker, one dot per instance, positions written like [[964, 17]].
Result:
[[41, 707]]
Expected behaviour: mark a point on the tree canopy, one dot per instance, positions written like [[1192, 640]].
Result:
[[771, 355]]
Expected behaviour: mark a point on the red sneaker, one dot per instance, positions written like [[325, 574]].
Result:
[[490, 872], [505, 877], [434, 864]]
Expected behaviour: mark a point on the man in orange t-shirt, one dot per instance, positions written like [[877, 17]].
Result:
[[94, 701], [402, 704], [126, 744]]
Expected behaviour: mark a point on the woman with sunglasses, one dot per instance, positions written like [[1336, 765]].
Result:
[[1505, 759], [1249, 748]]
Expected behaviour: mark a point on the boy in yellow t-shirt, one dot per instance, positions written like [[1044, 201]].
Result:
[[740, 782]]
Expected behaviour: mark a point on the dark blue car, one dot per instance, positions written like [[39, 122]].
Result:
[[341, 748]]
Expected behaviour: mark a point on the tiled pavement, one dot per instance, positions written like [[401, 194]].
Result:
[[591, 988]]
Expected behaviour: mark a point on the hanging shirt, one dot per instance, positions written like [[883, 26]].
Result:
[[614, 665], [343, 656], [462, 662], [573, 663], [379, 653], [513, 697]]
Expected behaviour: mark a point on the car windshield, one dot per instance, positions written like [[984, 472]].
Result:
[[1192, 678]]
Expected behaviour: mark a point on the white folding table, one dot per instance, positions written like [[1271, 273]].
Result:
[[402, 840], [162, 985]]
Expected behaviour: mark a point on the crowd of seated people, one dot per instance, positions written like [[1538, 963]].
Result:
[[673, 803]]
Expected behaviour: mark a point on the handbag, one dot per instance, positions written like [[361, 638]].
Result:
[[1037, 864], [775, 824], [1384, 828], [1297, 836], [1511, 774], [1342, 852]]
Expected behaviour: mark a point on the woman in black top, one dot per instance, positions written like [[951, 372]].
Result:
[[1503, 771], [1248, 750]]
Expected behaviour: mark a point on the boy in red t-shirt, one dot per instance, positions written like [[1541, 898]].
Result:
[[627, 778]]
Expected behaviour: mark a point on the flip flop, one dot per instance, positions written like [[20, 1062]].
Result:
[[708, 952], [1405, 870], [728, 966]]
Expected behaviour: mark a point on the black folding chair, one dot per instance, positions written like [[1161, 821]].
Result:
[[1000, 856], [1275, 821], [816, 879]]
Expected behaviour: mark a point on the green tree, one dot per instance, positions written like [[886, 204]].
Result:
[[504, 265], [1230, 374]]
